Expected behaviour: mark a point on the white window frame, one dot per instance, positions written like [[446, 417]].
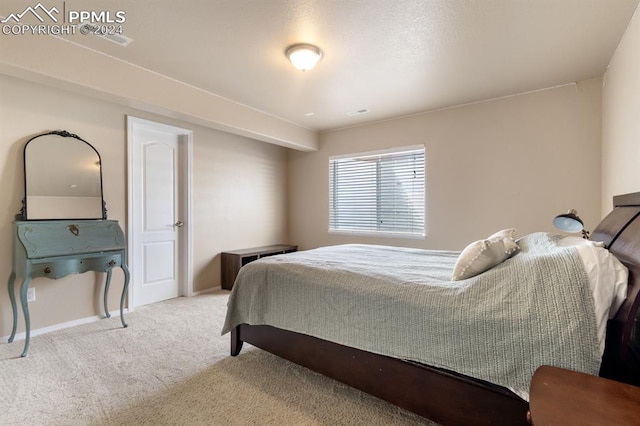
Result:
[[367, 227]]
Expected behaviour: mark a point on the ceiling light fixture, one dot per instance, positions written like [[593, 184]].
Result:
[[303, 56]]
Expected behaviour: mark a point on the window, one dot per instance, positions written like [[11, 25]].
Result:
[[378, 192]]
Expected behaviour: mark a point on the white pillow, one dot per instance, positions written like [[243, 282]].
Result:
[[482, 255], [505, 233], [608, 278]]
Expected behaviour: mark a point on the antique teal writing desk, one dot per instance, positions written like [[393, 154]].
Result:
[[57, 248]]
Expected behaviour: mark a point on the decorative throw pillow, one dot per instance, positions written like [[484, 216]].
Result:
[[505, 233], [483, 255]]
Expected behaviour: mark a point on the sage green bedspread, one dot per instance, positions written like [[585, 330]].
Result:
[[499, 326]]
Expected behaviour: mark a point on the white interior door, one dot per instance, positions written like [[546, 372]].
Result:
[[157, 211]]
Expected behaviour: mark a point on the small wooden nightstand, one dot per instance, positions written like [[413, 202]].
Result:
[[232, 261], [564, 397]]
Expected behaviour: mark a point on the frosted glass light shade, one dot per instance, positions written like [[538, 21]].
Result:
[[569, 222], [303, 56]]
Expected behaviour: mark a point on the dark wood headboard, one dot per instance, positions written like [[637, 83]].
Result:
[[620, 231]]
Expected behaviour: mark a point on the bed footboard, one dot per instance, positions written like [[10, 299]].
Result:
[[439, 395]]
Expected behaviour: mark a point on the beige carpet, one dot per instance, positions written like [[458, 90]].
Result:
[[171, 367]]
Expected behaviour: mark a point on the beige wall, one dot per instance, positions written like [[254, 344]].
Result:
[[239, 191], [511, 162], [621, 118]]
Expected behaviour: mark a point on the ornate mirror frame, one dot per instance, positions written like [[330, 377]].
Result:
[[64, 162]]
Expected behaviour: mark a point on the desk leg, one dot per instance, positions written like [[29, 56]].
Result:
[[124, 293], [14, 307], [25, 308], [106, 293]]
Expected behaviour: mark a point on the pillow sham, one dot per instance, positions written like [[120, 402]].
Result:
[[482, 255]]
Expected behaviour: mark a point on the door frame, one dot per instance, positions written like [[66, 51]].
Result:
[[185, 261]]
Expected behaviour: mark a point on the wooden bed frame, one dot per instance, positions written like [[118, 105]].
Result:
[[445, 396]]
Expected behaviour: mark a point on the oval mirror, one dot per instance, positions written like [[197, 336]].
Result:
[[63, 178]]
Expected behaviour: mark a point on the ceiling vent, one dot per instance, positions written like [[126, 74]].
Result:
[[120, 39], [123, 41], [357, 112]]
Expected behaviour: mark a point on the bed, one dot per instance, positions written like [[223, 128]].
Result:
[[395, 372]]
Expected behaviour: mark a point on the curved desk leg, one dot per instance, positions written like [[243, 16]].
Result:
[[14, 308], [25, 308], [106, 294], [124, 293]]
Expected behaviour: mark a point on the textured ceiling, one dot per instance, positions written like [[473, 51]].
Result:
[[390, 57]]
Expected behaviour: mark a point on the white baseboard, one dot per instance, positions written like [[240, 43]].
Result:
[[45, 330]]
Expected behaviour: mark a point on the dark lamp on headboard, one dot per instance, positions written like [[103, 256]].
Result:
[[570, 222]]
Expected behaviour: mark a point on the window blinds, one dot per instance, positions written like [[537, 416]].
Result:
[[380, 192]]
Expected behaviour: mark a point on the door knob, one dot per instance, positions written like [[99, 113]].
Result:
[[178, 224]]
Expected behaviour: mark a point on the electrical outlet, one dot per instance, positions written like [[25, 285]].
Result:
[[31, 294]]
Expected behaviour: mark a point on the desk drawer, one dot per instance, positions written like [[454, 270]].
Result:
[[62, 267], [48, 239]]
